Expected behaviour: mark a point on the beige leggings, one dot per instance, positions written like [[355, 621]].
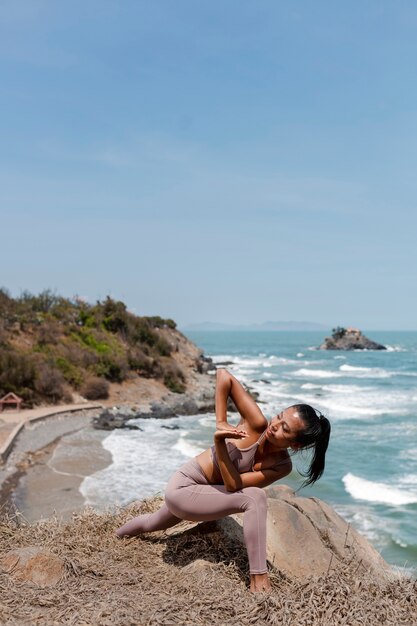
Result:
[[189, 496]]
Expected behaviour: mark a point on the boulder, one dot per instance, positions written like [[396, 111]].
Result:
[[306, 535], [110, 421], [33, 564], [349, 339]]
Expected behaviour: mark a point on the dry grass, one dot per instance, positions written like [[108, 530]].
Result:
[[145, 581]]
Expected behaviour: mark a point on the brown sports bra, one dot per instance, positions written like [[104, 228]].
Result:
[[242, 458]]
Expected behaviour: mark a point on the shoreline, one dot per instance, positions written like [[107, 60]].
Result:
[[53, 449], [38, 483]]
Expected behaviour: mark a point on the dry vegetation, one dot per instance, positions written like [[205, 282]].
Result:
[[151, 580], [51, 346]]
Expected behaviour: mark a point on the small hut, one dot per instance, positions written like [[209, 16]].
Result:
[[10, 401]]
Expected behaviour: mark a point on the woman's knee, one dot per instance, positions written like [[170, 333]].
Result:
[[257, 497]]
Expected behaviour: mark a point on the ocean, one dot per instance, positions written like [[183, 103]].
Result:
[[370, 398]]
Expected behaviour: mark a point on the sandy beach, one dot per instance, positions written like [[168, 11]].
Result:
[[49, 460]]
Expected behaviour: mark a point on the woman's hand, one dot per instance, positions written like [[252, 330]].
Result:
[[229, 433]]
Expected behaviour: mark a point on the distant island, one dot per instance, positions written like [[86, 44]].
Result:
[[349, 339], [264, 326]]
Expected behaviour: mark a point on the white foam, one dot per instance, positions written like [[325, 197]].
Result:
[[208, 421], [363, 489], [220, 358], [410, 454], [315, 373], [186, 447], [366, 372]]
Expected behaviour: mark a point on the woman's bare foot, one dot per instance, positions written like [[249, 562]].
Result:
[[260, 583]]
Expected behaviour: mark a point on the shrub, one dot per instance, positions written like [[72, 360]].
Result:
[[140, 362], [92, 340], [159, 322], [113, 368], [48, 333], [95, 389], [49, 382], [338, 332], [70, 372], [17, 372], [174, 378], [115, 316]]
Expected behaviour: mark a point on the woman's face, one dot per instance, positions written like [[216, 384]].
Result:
[[283, 429]]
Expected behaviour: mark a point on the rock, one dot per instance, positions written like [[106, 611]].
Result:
[[204, 364], [198, 566], [33, 564], [109, 421], [305, 536], [349, 339]]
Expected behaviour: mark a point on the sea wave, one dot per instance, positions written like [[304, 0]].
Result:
[[313, 373], [371, 491], [366, 372], [187, 448], [143, 461]]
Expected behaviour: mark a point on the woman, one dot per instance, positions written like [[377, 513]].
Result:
[[228, 478]]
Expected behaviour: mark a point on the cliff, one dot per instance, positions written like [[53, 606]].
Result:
[[80, 573], [349, 339]]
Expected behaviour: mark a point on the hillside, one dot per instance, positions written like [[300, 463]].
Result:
[[53, 349]]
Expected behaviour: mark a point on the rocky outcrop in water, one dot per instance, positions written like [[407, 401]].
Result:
[[349, 339]]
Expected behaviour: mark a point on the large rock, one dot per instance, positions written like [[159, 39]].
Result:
[[33, 564], [305, 537], [349, 339]]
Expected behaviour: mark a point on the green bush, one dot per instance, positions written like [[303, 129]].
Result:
[[90, 339], [115, 370], [338, 332], [70, 372], [174, 378]]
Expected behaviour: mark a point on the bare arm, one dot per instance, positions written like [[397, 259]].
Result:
[[227, 385], [265, 477], [230, 475]]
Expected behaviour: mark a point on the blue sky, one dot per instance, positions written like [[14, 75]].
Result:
[[228, 160]]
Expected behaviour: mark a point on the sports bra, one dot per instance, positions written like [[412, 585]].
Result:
[[242, 458]]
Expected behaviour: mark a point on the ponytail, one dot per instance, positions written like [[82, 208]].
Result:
[[315, 436]]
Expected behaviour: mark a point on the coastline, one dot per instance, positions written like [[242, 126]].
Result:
[[49, 460], [57, 447]]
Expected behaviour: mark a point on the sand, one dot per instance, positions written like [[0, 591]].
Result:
[[48, 463]]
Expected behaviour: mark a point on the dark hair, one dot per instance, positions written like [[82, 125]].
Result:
[[316, 436]]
